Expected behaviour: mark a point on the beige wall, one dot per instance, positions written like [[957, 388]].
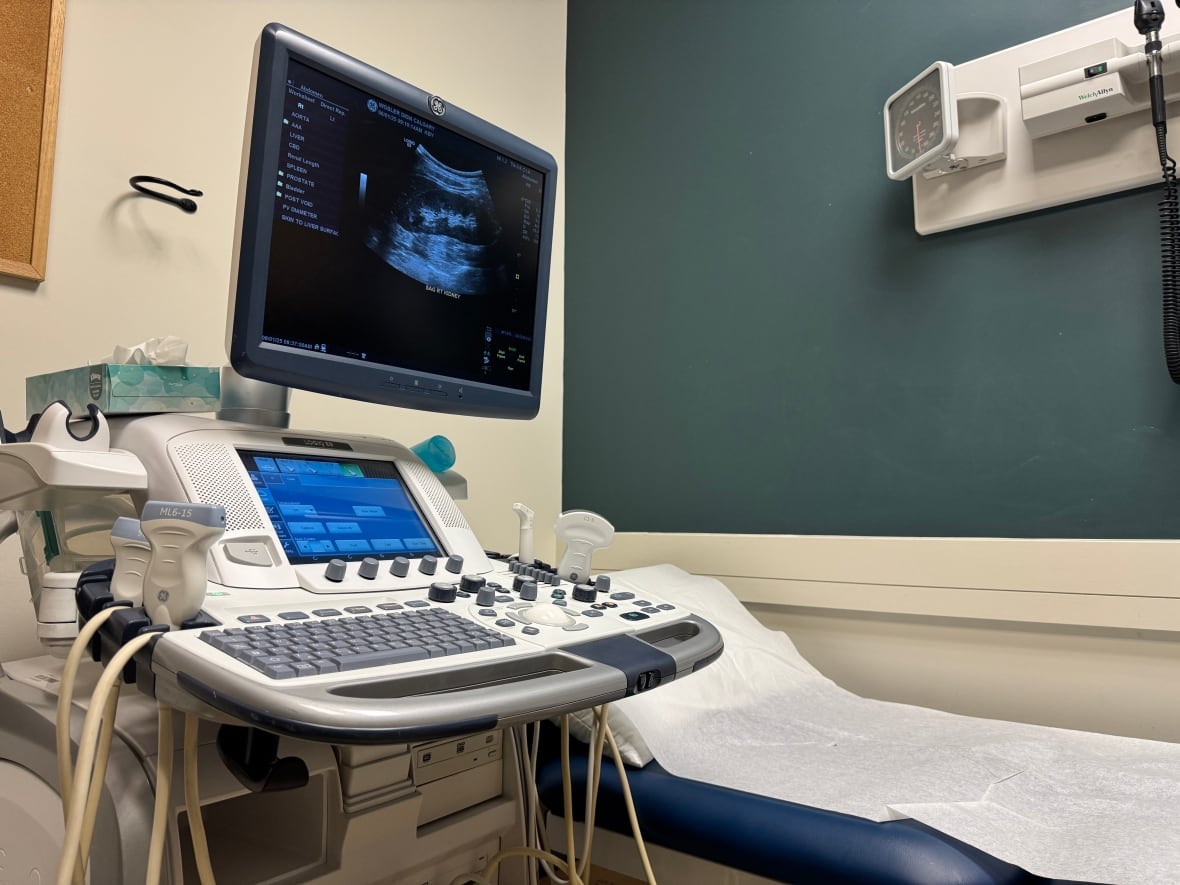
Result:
[[159, 87], [1074, 634]]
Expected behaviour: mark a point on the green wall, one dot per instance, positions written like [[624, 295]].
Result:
[[756, 339]]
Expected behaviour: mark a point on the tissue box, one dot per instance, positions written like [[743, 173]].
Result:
[[122, 389]]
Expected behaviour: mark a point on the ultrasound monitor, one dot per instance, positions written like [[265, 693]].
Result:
[[390, 246]]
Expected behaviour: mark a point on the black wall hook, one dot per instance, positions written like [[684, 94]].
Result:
[[183, 202]]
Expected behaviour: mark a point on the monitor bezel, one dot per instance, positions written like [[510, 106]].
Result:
[[320, 373]]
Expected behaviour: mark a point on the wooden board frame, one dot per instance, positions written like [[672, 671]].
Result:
[[33, 50]]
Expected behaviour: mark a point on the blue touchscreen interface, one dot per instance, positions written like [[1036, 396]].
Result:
[[326, 508]]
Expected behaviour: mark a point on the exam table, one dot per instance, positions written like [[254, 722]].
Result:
[[797, 780], [782, 841]]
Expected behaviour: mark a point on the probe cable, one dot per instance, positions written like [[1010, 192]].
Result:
[[81, 788], [65, 701], [601, 734], [192, 802], [87, 749]]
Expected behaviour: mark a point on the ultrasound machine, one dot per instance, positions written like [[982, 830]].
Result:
[[314, 603]]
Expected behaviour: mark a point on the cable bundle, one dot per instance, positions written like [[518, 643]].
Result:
[[81, 782]]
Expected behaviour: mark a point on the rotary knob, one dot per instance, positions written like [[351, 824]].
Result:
[[428, 564], [585, 593], [400, 567], [471, 583], [602, 583], [528, 591], [368, 568], [454, 563], [336, 570], [486, 596], [441, 592]]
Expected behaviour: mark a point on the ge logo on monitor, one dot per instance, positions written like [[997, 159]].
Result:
[[438, 107], [371, 104]]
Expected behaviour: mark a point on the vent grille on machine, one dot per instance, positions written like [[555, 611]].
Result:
[[444, 505], [216, 475]]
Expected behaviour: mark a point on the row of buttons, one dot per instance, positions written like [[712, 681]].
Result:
[[370, 567]]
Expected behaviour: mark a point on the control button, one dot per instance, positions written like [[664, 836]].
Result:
[[652, 610], [531, 631], [454, 563], [247, 553], [503, 598], [560, 602], [585, 593], [390, 606], [634, 616], [591, 613], [608, 604], [641, 603], [504, 622], [602, 583], [518, 582], [493, 585], [441, 592], [528, 590], [488, 612], [253, 619], [400, 567], [336, 570], [357, 609], [622, 596], [326, 613], [428, 564], [665, 607], [485, 596], [599, 605], [369, 568], [576, 625], [417, 603], [293, 616]]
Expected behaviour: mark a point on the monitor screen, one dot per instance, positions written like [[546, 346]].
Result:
[[330, 507], [391, 247]]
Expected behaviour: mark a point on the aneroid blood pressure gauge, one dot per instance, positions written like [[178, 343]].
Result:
[[921, 122]]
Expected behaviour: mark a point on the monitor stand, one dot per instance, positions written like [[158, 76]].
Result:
[[247, 401]]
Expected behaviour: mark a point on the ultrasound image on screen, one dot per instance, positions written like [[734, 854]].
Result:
[[442, 230], [399, 242]]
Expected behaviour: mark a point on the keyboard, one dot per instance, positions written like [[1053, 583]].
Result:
[[336, 645]]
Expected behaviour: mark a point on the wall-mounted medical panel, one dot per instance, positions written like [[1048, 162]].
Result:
[[1077, 124]]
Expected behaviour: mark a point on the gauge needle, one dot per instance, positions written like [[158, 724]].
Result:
[[918, 135]]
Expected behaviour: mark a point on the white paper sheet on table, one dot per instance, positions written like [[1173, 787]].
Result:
[[1061, 804]]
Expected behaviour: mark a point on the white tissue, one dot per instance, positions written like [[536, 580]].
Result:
[[166, 351]]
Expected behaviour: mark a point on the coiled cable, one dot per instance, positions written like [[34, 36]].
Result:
[[1169, 212]]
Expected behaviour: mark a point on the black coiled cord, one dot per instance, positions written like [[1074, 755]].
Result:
[[1169, 209]]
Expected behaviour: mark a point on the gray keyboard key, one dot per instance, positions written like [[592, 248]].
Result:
[[380, 658]]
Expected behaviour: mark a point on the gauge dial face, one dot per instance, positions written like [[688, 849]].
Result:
[[917, 124], [918, 119]]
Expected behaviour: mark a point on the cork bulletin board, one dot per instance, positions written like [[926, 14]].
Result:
[[30, 75]]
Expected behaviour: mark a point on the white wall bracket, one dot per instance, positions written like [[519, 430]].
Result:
[[1059, 148]]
